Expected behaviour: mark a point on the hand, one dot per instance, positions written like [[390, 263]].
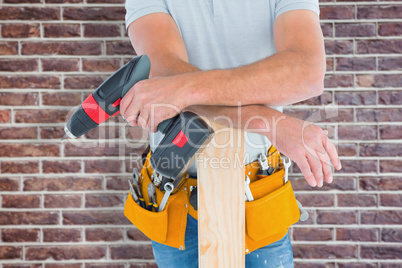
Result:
[[308, 146], [151, 101]]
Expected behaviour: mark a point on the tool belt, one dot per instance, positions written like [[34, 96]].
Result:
[[268, 217]]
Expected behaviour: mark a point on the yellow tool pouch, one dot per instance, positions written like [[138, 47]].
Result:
[[268, 217]]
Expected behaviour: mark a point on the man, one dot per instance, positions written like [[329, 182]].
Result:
[[212, 55]]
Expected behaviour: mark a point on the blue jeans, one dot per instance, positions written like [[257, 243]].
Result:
[[275, 255]]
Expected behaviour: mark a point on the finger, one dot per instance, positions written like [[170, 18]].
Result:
[[333, 154], [132, 113], [142, 119], [306, 171], [326, 167], [126, 101], [316, 168]]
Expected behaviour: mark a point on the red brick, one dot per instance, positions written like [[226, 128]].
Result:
[[18, 65], [390, 166], [20, 235], [327, 29], [380, 149], [381, 252], [143, 251], [61, 30], [29, 13], [8, 133], [391, 200], [338, 80], [61, 235], [134, 162], [321, 115], [347, 149], [355, 64], [62, 265], [61, 98], [51, 132], [136, 235], [21, 201], [32, 218], [102, 166], [60, 65], [61, 166], [323, 99], [9, 184], [102, 30], [8, 48], [61, 48], [390, 265], [119, 48], [22, 1], [356, 98], [29, 81], [63, 184], [379, 80], [336, 217], [379, 46], [316, 200], [380, 183], [359, 166], [15, 150], [391, 132], [390, 29], [379, 115], [20, 30], [312, 234], [100, 149], [379, 12], [9, 252], [357, 200], [329, 64], [106, 131], [40, 116], [83, 81], [391, 235], [116, 183], [357, 132], [354, 29], [23, 99], [63, 1], [390, 97], [103, 234], [87, 217], [103, 200], [309, 251], [337, 12], [97, 14], [100, 65], [390, 63], [342, 184], [299, 264], [381, 217], [4, 116], [23, 265], [62, 201], [65, 252], [357, 234], [19, 167]]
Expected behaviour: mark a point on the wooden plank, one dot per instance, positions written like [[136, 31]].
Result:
[[221, 200]]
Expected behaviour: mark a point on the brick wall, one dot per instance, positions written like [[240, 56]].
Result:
[[62, 205]]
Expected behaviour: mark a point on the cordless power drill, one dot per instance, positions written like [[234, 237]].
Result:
[[184, 134]]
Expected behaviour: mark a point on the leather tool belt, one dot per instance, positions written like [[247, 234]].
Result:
[[268, 217]]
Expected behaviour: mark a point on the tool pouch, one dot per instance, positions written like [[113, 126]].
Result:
[[274, 208], [164, 227]]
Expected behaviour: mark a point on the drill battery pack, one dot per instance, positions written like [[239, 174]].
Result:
[[184, 136]]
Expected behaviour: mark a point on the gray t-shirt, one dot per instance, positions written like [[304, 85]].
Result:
[[221, 34]]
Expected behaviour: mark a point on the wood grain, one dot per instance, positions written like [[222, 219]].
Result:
[[221, 225]]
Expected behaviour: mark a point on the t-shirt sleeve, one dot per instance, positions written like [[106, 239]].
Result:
[[136, 9], [282, 6]]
